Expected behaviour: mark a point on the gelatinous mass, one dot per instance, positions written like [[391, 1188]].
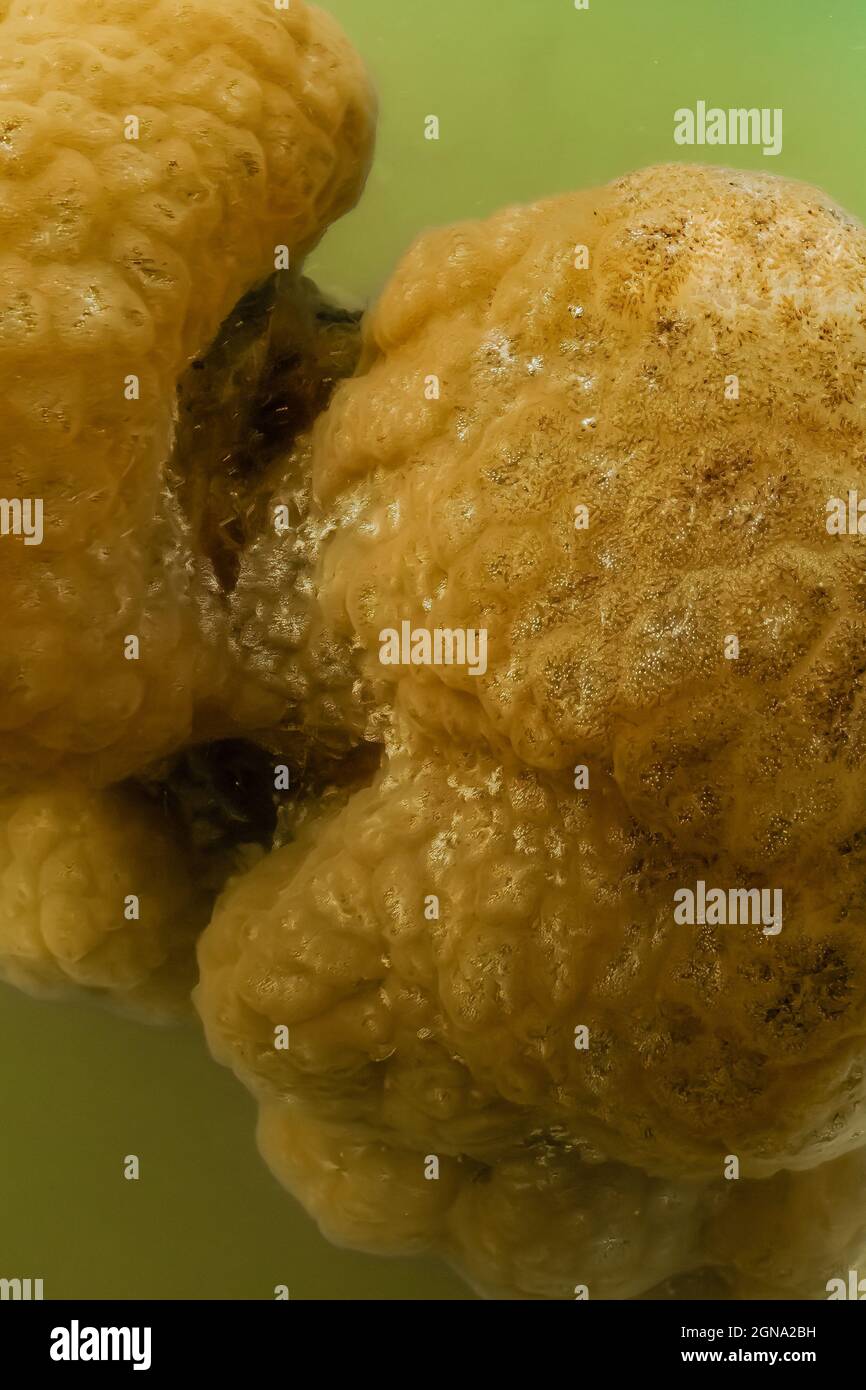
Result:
[[439, 910]]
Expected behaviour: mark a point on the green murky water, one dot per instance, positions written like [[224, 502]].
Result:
[[534, 97]]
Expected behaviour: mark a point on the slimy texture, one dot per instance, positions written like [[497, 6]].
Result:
[[603, 429]]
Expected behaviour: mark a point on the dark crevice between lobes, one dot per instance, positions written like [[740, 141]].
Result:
[[245, 404]]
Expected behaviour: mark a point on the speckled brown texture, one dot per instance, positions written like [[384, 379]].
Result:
[[606, 388], [455, 1036], [450, 1034]]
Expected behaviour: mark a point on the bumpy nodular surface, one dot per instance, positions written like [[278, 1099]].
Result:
[[441, 914], [450, 1031], [122, 250]]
